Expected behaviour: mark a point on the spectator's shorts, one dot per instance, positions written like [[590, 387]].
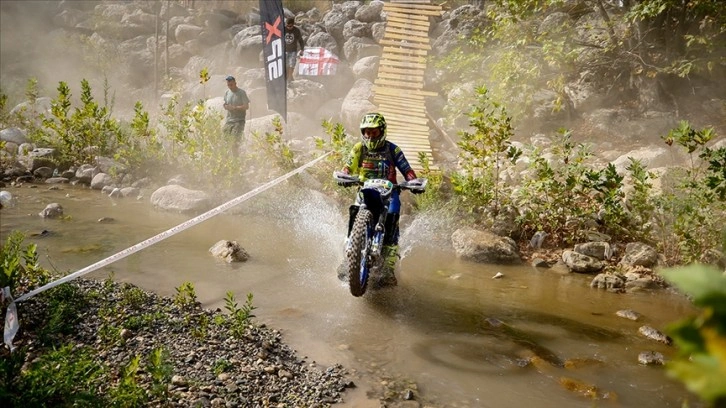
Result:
[[291, 59]]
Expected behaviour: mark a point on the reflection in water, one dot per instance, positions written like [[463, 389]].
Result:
[[464, 338]]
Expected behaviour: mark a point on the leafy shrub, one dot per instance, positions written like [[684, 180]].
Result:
[[83, 133], [701, 340], [484, 155]]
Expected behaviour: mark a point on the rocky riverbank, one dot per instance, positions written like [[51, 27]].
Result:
[[209, 358]]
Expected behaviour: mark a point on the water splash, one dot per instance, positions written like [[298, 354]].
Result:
[[430, 229]]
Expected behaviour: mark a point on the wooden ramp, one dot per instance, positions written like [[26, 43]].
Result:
[[398, 89]]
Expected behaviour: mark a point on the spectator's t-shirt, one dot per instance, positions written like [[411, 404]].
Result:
[[238, 97], [293, 38]]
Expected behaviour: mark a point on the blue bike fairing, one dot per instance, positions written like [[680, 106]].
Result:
[[373, 201], [394, 207]]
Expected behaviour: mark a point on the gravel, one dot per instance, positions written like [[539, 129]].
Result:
[[210, 366]]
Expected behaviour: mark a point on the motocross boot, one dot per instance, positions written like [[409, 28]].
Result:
[[390, 258]]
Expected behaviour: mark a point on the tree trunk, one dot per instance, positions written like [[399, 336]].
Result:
[[606, 18], [166, 45]]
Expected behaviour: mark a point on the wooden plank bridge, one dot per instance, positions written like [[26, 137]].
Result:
[[398, 88]]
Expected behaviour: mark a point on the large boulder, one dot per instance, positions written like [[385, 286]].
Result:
[[178, 198], [357, 102], [485, 247], [639, 254]]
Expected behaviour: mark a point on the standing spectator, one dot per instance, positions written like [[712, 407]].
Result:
[[236, 103], [293, 39]]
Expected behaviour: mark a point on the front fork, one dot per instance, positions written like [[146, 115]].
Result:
[[374, 246]]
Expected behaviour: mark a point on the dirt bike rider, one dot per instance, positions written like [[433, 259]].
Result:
[[376, 158]]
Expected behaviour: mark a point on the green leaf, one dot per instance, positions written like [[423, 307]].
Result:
[[705, 284]]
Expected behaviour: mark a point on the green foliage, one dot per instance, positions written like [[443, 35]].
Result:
[[239, 316], [553, 197], [20, 268], [640, 200], [221, 365], [61, 315], [701, 340], [680, 39], [484, 155], [609, 195], [692, 214], [67, 376], [128, 392], [203, 79], [133, 297], [160, 371], [186, 298], [195, 142], [31, 90], [433, 198], [86, 132], [143, 150], [272, 148], [340, 144]]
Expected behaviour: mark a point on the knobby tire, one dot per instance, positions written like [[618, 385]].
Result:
[[354, 252]]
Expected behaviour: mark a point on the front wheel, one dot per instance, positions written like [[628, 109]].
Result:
[[355, 258]]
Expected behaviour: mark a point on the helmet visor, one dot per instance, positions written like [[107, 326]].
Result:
[[372, 133]]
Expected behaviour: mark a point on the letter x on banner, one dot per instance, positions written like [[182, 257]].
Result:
[[273, 42]]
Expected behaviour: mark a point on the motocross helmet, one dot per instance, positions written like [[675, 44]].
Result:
[[373, 120]]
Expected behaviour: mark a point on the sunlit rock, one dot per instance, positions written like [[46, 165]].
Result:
[[100, 181], [651, 358], [654, 334], [178, 198], [608, 281], [639, 254], [578, 262], [485, 247], [53, 210], [230, 251]]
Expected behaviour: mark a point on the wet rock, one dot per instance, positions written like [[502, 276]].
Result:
[[230, 251], [130, 192], [178, 198], [628, 314], [485, 247], [100, 181], [57, 180], [654, 334], [540, 263], [639, 254], [578, 262], [608, 281], [43, 172], [651, 358], [53, 210], [600, 250]]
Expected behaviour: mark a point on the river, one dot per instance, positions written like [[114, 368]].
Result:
[[459, 335]]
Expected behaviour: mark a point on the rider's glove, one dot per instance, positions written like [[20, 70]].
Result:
[[416, 182]]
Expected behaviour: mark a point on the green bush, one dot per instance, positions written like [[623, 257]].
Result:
[[701, 340]]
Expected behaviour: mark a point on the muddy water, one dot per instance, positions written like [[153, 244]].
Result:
[[460, 335]]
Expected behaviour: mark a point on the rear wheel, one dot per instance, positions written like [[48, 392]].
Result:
[[357, 279]]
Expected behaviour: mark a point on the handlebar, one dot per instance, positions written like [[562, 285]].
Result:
[[347, 180]]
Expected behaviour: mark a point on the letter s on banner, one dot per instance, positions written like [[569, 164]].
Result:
[[275, 67], [273, 35]]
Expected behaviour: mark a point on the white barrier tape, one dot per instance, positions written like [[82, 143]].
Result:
[[11, 315], [170, 232], [11, 318]]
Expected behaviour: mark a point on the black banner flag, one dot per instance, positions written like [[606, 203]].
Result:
[[273, 42]]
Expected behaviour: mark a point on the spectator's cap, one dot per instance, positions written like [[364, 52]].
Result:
[[229, 78], [290, 21]]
